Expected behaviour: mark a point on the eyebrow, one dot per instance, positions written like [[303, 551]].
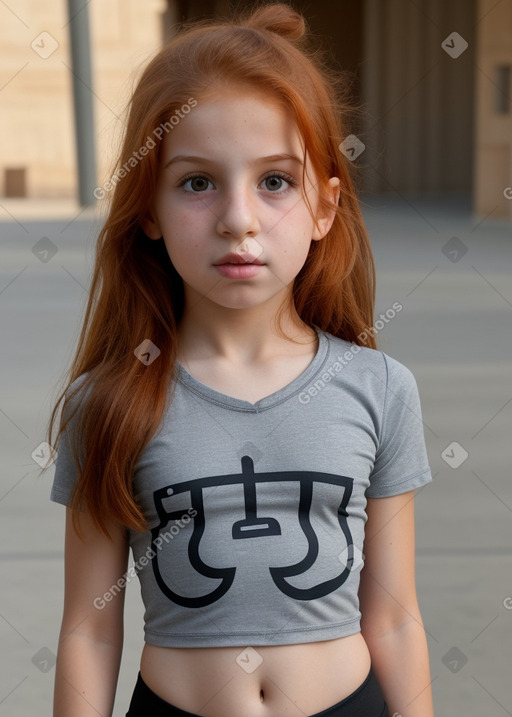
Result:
[[260, 160]]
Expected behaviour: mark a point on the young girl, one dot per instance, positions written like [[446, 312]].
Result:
[[228, 415]]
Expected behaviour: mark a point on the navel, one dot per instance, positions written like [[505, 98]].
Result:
[[261, 695]]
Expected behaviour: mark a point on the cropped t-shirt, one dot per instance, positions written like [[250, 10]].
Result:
[[256, 512]]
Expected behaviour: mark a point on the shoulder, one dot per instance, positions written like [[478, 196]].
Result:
[[75, 394], [367, 361], [372, 377], [79, 385]]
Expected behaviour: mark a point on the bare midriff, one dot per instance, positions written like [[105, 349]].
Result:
[[260, 681]]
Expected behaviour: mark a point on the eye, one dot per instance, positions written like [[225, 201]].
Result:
[[199, 183], [280, 176]]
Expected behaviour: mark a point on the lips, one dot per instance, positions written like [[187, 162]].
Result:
[[233, 258]]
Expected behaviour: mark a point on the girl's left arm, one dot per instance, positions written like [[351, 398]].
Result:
[[391, 621]]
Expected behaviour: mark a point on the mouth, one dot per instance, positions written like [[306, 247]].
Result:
[[234, 259]]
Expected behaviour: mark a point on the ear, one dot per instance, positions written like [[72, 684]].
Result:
[[324, 222], [150, 226]]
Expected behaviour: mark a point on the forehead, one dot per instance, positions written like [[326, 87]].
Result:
[[231, 122]]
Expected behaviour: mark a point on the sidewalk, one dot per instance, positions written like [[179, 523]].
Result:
[[42, 209]]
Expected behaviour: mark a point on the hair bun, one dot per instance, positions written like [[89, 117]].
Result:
[[279, 18]]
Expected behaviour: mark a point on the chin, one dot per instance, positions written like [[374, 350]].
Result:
[[240, 305]]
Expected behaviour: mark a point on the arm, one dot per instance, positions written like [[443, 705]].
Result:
[[391, 621], [91, 639]]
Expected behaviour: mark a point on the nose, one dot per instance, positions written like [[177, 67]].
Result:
[[237, 216]]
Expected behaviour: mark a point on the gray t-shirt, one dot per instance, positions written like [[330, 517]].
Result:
[[257, 511]]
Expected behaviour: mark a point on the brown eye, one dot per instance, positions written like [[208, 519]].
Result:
[[275, 182], [198, 183]]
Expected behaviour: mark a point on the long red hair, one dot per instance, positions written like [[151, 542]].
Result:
[[136, 293]]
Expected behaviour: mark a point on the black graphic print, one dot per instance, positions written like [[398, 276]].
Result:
[[253, 526]]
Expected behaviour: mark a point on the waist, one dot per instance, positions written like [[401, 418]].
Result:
[[280, 679]]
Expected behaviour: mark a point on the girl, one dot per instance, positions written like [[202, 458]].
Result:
[[228, 415]]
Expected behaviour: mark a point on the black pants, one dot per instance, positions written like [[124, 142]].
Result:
[[366, 701]]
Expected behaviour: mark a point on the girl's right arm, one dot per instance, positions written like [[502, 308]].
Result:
[[91, 636]]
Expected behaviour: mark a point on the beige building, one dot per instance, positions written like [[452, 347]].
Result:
[[493, 111], [434, 77], [37, 135]]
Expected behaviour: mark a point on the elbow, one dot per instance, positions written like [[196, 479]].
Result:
[[393, 622]]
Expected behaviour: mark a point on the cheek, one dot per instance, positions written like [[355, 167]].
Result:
[[182, 226], [297, 238], [300, 221], [185, 237]]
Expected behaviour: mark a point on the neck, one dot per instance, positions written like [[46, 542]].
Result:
[[239, 335]]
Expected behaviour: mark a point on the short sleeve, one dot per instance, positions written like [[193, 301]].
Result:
[[66, 469], [401, 461]]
